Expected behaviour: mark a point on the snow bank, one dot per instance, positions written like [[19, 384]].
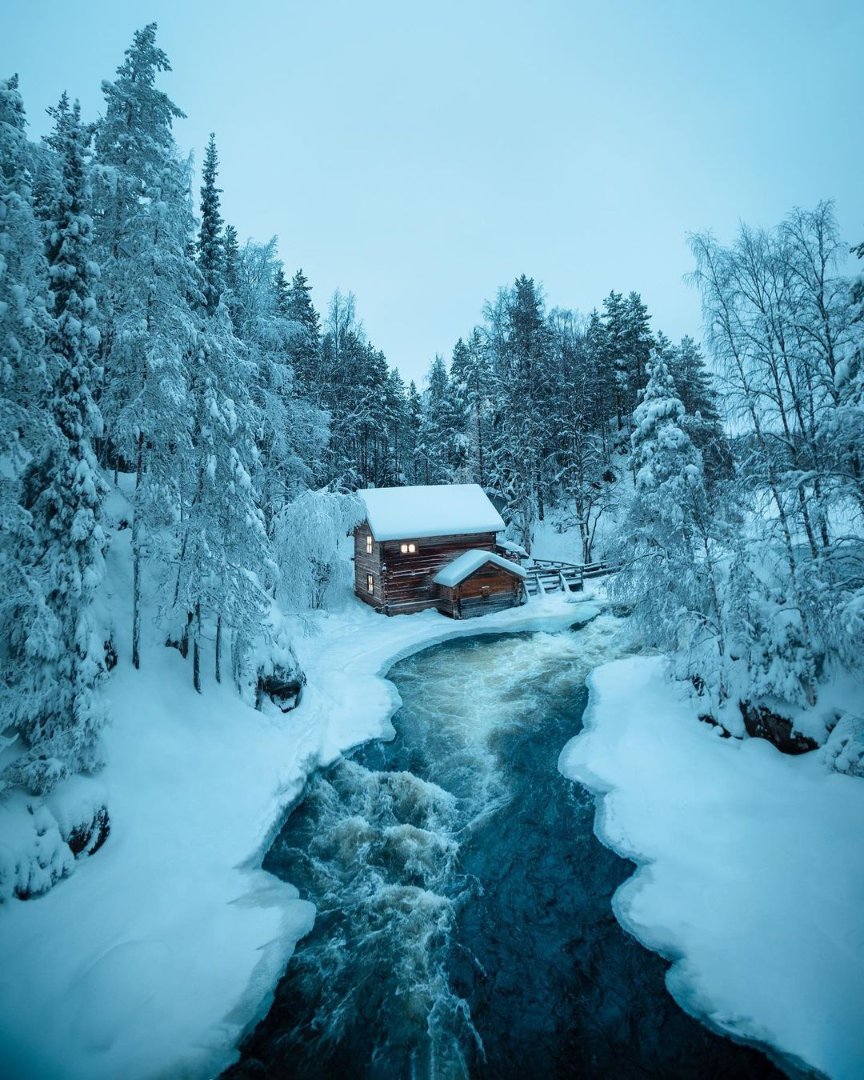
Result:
[[155, 955], [751, 873], [429, 510]]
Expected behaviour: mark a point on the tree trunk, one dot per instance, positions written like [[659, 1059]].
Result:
[[480, 445], [184, 640], [196, 649], [219, 649], [136, 564], [136, 603]]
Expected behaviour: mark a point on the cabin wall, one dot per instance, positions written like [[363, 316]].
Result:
[[408, 584], [403, 582], [367, 564], [488, 589]]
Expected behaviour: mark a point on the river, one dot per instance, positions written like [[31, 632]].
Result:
[[464, 926]]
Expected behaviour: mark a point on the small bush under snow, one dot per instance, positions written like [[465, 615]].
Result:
[[844, 750]]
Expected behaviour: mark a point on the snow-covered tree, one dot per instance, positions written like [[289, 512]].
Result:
[[305, 349], [309, 543], [518, 342], [671, 549], [224, 557], [24, 421], [471, 382], [702, 419], [60, 653], [291, 433], [148, 287], [441, 450]]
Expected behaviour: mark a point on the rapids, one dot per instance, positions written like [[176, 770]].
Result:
[[464, 926]]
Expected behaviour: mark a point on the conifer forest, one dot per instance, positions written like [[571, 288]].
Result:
[[188, 430]]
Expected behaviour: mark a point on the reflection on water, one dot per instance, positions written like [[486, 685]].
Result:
[[464, 925]]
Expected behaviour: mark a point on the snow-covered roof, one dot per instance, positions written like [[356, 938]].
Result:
[[508, 545], [465, 565], [400, 513]]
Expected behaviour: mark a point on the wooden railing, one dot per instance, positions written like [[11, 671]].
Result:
[[592, 569], [553, 574]]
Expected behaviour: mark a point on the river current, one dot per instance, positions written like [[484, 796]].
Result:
[[464, 926]]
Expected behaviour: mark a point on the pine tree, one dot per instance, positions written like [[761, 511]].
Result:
[[519, 344], [629, 343], [23, 285], [223, 547], [306, 336], [60, 712], [290, 431], [148, 287], [25, 425], [670, 545], [583, 480], [471, 380], [441, 448], [702, 420]]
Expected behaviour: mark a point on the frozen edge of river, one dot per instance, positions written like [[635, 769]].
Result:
[[749, 874], [112, 972]]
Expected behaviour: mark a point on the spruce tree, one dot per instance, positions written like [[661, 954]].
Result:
[[61, 713], [223, 548], [25, 424], [441, 447], [471, 378], [306, 336], [670, 546], [147, 290]]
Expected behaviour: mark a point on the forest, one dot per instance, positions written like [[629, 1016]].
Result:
[[144, 343]]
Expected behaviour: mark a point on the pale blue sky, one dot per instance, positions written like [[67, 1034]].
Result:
[[424, 155]]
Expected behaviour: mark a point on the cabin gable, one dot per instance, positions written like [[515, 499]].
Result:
[[483, 586]]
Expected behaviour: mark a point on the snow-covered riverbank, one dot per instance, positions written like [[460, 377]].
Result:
[[751, 873], [156, 954]]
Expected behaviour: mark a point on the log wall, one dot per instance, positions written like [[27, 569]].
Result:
[[490, 588], [367, 564], [403, 582]]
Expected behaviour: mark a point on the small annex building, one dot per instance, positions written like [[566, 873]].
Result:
[[434, 546]]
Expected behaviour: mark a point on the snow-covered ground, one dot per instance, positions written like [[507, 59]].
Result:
[[157, 953], [751, 866]]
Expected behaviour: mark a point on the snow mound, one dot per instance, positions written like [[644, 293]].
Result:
[[33, 854], [844, 750], [751, 877]]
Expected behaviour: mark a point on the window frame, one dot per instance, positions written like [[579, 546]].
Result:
[[370, 584], [369, 543]]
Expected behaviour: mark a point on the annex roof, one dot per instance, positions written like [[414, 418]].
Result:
[[464, 566], [401, 513]]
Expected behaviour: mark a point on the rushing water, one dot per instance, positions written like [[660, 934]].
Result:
[[464, 925]]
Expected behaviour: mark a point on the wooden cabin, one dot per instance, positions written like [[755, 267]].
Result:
[[408, 549], [477, 583]]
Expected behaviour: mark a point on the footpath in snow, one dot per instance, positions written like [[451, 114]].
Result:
[[751, 866], [160, 950]]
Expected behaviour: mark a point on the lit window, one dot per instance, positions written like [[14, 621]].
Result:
[[407, 548], [369, 543], [370, 584]]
